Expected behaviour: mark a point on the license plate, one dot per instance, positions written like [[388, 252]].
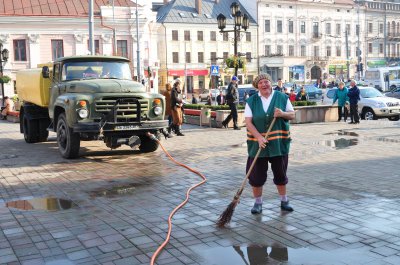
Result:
[[125, 127]]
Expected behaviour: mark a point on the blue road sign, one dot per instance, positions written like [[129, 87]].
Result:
[[214, 70]]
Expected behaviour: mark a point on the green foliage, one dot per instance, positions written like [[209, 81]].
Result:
[[5, 79], [15, 98], [236, 61], [304, 103]]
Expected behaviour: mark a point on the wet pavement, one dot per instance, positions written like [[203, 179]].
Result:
[[110, 207]]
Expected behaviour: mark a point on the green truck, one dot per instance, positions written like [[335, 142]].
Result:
[[88, 98]]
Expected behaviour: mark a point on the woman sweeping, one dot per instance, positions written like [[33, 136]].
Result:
[[260, 110]]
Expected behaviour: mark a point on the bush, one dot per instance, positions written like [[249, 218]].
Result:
[[303, 103], [213, 108], [5, 79]]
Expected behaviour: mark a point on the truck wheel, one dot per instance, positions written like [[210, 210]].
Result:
[[369, 114], [43, 132], [31, 130], [68, 141], [147, 145]]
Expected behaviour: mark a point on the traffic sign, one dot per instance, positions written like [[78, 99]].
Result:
[[214, 70]]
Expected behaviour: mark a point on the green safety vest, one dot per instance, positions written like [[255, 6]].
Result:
[[279, 137]]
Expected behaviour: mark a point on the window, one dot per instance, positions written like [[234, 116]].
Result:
[[19, 50], [200, 35], [380, 48], [338, 29], [175, 57], [213, 56], [328, 28], [187, 35], [225, 36], [348, 29], [279, 49], [303, 50], [380, 28], [188, 57], [248, 36], [315, 30], [369, 47], [279, 26], [225, 55], [267, 25], [122, 48], [213, 36], [302, 27], [291, 50], [370, 27], [248, 56], [174, 35], [96, 46], [328, 51], [200, 57], [316, 51], [57, 49], [290, 29], [338, 51], [267, 50]]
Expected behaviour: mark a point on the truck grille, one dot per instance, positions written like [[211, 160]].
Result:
[[126, 112]]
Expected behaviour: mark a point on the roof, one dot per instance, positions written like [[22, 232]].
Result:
[[184, 11], [54, 7]]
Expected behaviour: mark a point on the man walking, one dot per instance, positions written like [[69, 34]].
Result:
[[232, 99], [354, 97]]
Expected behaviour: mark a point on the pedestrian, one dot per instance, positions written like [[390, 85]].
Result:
[[167, 94], [194, 99], [8, 107], [292, 95], [279, 87], [259, 113], [232, 99], [341, 97], [176, 107], [220, 99], [354, 97], [208, 100], [302, 95], [286, 91]]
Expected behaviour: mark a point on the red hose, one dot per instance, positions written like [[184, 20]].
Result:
[[160, 248]]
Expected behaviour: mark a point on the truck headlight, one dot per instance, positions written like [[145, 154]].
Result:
[[157, 111], [83, 113]]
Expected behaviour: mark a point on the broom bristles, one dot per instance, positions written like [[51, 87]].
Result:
[[226, 216]]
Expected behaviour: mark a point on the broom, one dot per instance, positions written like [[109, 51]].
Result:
[[226, 216]]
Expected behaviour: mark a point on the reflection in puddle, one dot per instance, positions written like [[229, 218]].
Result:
[[260, 255], [47, 204], [115, 190], [342, 132], [339, 143]]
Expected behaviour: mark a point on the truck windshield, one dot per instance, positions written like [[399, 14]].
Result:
[[95, 70]]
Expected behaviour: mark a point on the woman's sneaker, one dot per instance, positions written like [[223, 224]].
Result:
[[257, 208], [286, 207]]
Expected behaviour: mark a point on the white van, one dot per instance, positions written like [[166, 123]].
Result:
[[378, 77]]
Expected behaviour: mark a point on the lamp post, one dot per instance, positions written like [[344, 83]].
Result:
[[3, 59], [240, 21]]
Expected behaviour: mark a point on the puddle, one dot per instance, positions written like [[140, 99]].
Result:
[[260, 255], [46, 204], [342, 133], [115, 190], [339, 143]]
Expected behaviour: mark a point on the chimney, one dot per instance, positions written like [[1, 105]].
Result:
[[198, 6]]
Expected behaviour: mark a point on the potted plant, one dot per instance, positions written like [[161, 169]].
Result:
[[17, 103], [235, 61], [5, 79]]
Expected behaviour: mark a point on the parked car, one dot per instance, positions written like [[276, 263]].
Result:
[[394, 93], [249, 89], [214, 93], [312, 91], [372, 105], [204, 95]]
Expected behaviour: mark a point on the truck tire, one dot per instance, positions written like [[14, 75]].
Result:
[[43, 132], [147, 145], [68, 141], [31, 130]]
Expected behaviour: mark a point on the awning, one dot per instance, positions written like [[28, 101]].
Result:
[[189, 72]]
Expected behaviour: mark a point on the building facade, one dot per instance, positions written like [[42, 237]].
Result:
[[302, 41], [42, 32], [189, 43]]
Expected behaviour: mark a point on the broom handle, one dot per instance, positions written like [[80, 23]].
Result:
[[255, 159]]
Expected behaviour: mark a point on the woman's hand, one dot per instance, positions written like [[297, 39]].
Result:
[[262, 142], [278, 113]]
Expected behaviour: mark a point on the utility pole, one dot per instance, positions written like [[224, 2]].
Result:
[[358, 42], [384, 34], [114, 32], [347, 55], [138, 46], [91, 28]]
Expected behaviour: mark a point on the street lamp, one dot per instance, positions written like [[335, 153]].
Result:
[[3, 59], [240, 21]]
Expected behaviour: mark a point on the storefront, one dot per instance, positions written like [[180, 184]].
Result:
[[195, 78], [337, 72], [296, 73]]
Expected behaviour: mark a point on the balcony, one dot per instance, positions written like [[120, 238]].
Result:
[[393, 36]]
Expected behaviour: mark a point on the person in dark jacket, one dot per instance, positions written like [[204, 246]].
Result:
[[176, 107], [221, 99], [232, 98], [302, 95], [354, 97], [280, 86]]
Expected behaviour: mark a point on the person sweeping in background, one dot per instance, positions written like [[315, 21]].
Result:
[[176, 107], [260, 110]]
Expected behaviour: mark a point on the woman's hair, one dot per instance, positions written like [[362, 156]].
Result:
[[260, 77], [341, 83], [168, 86]]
